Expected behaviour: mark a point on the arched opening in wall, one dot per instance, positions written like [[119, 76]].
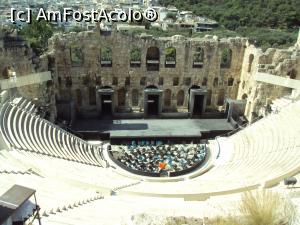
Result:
[[230, 81], [86, 80], [216, 82], [98, 80], [204, 81], [143, 81], [78, 97], [69, 82], [175, 81], [161, 81], [244, 96], [5, 72], [167, 97], [221, 97], [187, 81], [135, 57], [121, 97], [127, 81], [226, 58], [208, 99], [92, 95], [59, 80], [198, 57], [152, 59], [292, 73], [115, 81], [106, 57], [76, 55], [251, 58], [170, 61], [180, 98], [135, 97]]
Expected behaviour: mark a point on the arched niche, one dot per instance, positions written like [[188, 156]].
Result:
[[152, 59]]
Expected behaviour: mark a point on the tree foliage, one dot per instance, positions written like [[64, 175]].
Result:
[[135, 54], [268, 23], [283, 14], [37, 34]]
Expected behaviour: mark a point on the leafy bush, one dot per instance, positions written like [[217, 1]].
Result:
[[236, 13], [135, 54], [37, 34], [261, 208], [272, 23], [77, 29], [106, 54], [170, 54]]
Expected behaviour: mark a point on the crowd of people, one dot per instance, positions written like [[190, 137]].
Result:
[[156, 159]]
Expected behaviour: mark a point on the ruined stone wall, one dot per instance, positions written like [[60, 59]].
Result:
[[121, 45], [279, 62], [20, 58], [81, 80]]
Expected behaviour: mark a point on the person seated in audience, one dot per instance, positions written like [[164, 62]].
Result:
[[151, 158]]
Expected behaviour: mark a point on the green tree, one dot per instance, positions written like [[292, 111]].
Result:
[[37, 34]]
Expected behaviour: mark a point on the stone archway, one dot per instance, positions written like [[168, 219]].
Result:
[[167, 98], [221, 97], [152, 59], [121, 97], [78, 97], [226, 58], [209, 96], [180, 98], [292, 73], [170, 57], [135, 97], [244, 96], [92, 95], [251, 58]]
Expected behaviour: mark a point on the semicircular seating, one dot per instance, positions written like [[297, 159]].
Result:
[[25, 131], [261, 155]]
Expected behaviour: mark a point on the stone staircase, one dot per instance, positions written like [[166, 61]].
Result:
[[125, 186], [67, 207], [280, 103]]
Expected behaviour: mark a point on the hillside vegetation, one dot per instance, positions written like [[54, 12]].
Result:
[[271, 23]]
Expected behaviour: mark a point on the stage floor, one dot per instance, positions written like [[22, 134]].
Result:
[[153, 127]]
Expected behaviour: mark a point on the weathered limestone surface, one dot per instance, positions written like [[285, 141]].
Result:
[[79, 82], [280, 62], [21, 59], [121, 46]]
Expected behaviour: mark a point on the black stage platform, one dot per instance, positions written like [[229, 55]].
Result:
[[152, 128]]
